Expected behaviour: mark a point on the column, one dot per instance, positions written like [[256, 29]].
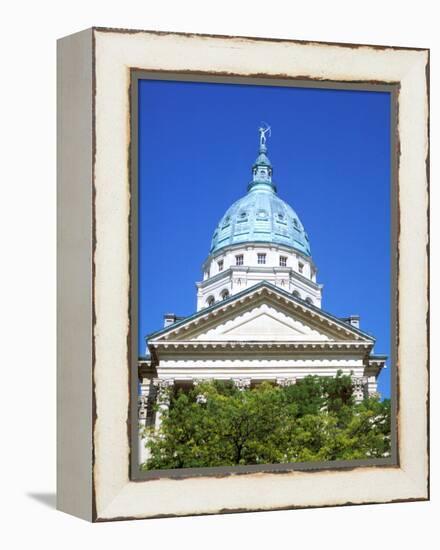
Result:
[[144, 407], [163, 386], [142, 411], [372, 387], [144, 401], [242, 383]]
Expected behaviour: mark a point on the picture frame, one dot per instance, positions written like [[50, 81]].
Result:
[[97, 286]]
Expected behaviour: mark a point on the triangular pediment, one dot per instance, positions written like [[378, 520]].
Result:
[[262, 314], [263, 322]]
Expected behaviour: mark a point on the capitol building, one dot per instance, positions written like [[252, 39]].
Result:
[[259, 315]]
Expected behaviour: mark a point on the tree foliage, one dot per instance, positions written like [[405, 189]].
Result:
[[315, 419]]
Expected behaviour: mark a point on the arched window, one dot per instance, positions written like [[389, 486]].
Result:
[[296, 294], [309, 300], [210, 301], [225, 294]]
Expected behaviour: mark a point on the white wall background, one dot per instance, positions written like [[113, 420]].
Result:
[[27, 218]]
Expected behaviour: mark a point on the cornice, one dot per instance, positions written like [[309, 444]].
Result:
[[274, 346]]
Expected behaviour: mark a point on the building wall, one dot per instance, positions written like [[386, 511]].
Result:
[[222, 277], [265, 368]]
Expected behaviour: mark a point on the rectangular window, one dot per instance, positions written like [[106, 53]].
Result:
[[301, 267], [239, 259], [283, 261], [261, 258], [220, 265]]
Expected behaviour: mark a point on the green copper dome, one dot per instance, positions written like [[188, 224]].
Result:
[[261, 216]]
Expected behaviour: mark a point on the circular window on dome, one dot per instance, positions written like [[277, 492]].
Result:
[[262, 214]]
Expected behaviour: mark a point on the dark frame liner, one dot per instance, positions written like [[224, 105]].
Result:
[[132, 419]]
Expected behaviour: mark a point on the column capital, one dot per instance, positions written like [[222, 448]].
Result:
[[163, 383], [359, 387], [286, 381], [242, 383]]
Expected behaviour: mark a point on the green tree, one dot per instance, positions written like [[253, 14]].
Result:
[[313, 420]]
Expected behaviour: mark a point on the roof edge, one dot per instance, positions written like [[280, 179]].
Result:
[[249, 290]]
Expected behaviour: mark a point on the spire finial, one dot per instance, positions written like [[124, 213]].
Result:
[[264, 129]]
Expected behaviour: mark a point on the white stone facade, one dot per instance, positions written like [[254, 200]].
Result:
[[260, 334]]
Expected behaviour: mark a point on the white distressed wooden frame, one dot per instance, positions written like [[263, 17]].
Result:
[[93, 280]]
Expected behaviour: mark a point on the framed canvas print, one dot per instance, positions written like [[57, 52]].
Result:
[[242, 274]]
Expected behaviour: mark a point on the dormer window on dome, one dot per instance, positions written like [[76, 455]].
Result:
[[262, 173]]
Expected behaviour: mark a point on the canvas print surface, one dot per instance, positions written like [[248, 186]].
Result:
[[264, 250]]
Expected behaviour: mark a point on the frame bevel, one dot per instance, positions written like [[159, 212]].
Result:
[[135, 76]]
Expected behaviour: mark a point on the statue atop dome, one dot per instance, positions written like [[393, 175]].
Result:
[[263, 131]]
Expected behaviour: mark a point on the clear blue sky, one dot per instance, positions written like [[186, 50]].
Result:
[[330, 150]]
